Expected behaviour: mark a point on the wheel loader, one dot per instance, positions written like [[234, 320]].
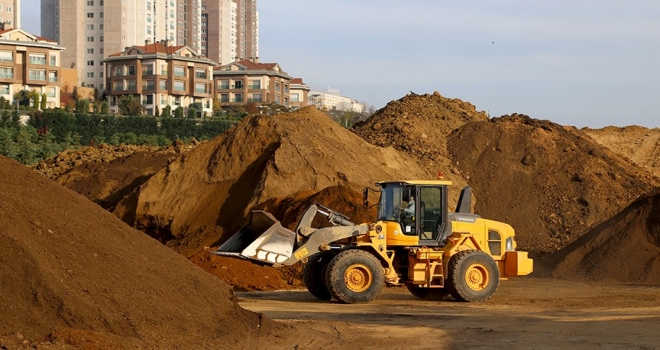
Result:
[[415, 241]]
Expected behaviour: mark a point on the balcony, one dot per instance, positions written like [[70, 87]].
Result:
[[254, 87]]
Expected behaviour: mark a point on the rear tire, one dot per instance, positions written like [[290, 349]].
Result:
[[428, 294], [314, 275], [473, 276], [354, 276]]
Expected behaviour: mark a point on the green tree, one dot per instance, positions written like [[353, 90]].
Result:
[[23, 98], [178, 112], [35, 99], [104, 107], [44, 101], [157, 112], [8, 146], [192, 113], [167, 112], [27, 149], [130, 105], [82, 106]]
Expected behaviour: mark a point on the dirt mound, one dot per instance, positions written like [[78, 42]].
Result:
[[550, 182], [210, 190], [639, 144], [105, 174], [73, 273], [625, 248]]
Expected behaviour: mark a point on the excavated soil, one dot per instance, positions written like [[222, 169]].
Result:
[[551, 183], [72, 273], [625, 248], [204, 196], [639, 144]]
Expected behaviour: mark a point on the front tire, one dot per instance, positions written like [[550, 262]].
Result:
[[354, 276], [473, 276], [313, 275]]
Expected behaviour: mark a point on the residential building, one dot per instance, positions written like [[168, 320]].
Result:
[[334, 101], [246, 81], [160, 74], [230, 30], [90, 29], [10, 12], [29, 62], [298, 95]]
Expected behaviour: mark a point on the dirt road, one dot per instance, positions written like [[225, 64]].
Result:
[[525, 313]]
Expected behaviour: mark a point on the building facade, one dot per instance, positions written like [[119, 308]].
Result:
[[160, 75], [29, 62], [10, 12], [230, 30], [248, 81], [299, 93], [90, 29], [334, 101]]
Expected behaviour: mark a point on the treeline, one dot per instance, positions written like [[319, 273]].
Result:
[[49, 132]]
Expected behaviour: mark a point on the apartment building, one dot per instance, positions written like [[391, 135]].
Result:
[[246, 81], [90, 29], [298, 93], [29, 62], [10, 12], [160, 74], [230, 30], [332, 100]]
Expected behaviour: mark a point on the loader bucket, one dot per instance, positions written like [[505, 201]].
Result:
[[263, 239]]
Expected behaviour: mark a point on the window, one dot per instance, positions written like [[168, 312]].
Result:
[[277, 86], [38, 58], [101, 25], [277, 98], [179, 85], [90, 27], [101, 74], [163, 69], [6, 56], [101, 38], [148, 29], [295, 97], [37, 74], [238, 84], [50, 91], [90, 3], [238, 97], [224, 85], [179, 71], [201, 88], [90, 39], [9, 9], [130, 84], [149, 17], [90, 51], [90, 62], [6, 72], [101, 15], [90, 74], [90, 14], [254, 84], [118, 86], [163, 84], [148, 69], [224, 97], [130, 70], [148, 100], [4, 89], [148, 85], [255, 98], [119, 71], [200, 74], [0, 7]]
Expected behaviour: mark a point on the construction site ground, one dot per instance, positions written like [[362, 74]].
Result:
[[525, 313]]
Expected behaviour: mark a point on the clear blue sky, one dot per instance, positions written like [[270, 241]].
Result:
[[579, 62]]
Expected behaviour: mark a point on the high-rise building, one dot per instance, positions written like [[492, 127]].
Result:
[[92, 29], [230, 30], [10, 12]]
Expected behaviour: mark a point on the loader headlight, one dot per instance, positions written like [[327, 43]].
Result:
[[509, 244]]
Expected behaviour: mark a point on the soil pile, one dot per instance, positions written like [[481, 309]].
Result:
[[640, 144], [209, 191], [419, 125], [73, 273], [105, 174], [625, 248], [551, 183]]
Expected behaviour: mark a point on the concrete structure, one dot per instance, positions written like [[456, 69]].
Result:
[[160, 75], [230, 30], [90, 29], [334, 101], [298, 95], [10, 12], [29, 62], [247, 81]]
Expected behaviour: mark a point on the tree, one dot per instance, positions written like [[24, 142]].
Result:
[[44, 101], [157, 112], [23, 98], [66, 97], [104, 107], [178, 112], [35, 99], [217, 108], [82, 106], [130, 105], [192, 112], [167, 112]]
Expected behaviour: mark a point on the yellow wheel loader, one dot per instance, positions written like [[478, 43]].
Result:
[[415, 241]]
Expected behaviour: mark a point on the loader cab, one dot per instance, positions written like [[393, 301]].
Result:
[[415, 212]]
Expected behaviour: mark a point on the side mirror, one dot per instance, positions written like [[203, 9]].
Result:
[[365, 197]]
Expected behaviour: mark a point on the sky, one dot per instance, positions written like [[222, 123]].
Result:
[[574, 62]]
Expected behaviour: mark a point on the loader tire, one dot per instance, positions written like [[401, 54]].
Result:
[[473, 276], [355, 276], [429, 294], [314, 275]]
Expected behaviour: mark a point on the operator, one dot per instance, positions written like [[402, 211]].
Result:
[[409, 210]]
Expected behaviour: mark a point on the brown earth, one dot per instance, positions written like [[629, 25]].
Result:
[[552, 183], [204, 194], [105, 174], [72, 273], [625, 248], [639, 144]]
